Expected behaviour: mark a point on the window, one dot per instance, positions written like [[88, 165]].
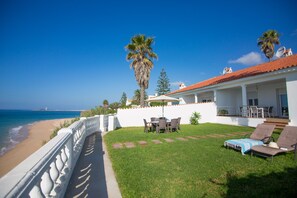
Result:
[[206, 100], [253, 102]]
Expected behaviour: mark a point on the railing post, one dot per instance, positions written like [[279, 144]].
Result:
[[101, 123], [111, 123], [97, 117], [244, 101], [84, 119], [69, 147]]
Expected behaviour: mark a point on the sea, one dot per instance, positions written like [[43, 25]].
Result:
[[14, 124]]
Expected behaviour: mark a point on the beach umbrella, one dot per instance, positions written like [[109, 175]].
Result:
[[162, 99]]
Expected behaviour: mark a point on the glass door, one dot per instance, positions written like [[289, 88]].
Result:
[[284, 105]]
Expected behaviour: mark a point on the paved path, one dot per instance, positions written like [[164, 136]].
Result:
[[120, 145], [93, 175]]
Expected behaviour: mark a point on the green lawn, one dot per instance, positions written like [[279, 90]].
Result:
[[197, 168]]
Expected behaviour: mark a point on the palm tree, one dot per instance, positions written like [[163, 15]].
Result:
[[105, 103], [136, 97], [266, 42], [141, 53]]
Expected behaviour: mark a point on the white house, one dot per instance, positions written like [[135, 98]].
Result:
[[271, 86]]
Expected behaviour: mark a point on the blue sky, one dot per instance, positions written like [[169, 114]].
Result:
[[70, 54]]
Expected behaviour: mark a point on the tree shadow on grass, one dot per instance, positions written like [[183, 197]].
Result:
[[280, 184]]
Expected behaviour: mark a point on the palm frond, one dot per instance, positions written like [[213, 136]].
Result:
[[130, 47], [267, 41]]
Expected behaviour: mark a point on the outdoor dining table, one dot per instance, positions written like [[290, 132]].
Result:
[[155, 122]]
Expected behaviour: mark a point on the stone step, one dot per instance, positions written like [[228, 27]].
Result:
[[277, 120], [279, 123]]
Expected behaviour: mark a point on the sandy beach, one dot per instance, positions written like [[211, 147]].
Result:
[[39, 132]]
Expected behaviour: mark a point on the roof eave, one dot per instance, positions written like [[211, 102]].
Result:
[[232, 82]]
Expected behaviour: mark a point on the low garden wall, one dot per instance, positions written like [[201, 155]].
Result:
[[135, 116]]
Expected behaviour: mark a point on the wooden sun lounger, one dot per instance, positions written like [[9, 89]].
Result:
[[286, 142]]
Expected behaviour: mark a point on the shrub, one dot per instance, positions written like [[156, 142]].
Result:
[[98, 111], [223, 112], [195, 118], [65, 124], [154, 104]]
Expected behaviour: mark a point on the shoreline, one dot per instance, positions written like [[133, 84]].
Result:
[[22, 133], [38, 133]]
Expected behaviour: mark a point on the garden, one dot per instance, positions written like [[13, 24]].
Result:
[[194, 163]]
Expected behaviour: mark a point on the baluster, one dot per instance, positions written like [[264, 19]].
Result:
[[78, 135], [64, 155], [54, 172], [80, 132], [64, 160], [46, 183], [67, 151], [59, 164], [75, 137], [36, 191]]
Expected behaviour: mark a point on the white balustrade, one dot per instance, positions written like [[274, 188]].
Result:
[[46, 173]]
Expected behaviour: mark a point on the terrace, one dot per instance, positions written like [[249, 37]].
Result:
[[190, 163]]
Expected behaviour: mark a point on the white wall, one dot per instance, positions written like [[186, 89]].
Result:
[[205, 96], [134, 117], [268, 95], [291, 82], [188, 99], [229, 99], [252, 122]]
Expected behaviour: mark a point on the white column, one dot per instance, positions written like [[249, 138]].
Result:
[[196, 98], [69, 146], [244, 100], [111, 123], [97, 122], [291, 82], [101, 123], [214, 95]]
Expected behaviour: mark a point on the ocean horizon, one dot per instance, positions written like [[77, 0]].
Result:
[[14, 124]]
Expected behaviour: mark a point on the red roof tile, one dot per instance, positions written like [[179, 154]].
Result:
[[275, 65]]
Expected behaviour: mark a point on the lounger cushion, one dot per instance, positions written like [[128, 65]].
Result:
[[243, 144]]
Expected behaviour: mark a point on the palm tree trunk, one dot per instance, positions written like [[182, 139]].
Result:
[[142, 92]]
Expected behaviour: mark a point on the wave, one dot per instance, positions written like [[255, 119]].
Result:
[[15, 136]]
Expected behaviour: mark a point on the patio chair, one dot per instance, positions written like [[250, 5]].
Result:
[[244, 111], [178, 123], [253, 111], [162, 125], [147, 126], [153, 121], [262, 134], [173, 126], [268, 111], [286, 142]]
